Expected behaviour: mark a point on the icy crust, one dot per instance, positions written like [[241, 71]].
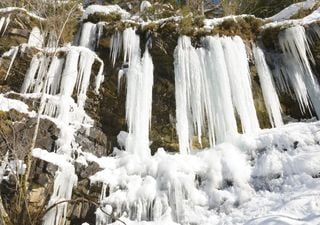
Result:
[[254, 179], [105, 9], [293, 9]]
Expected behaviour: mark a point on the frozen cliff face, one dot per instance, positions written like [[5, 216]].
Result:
[[244, 167]]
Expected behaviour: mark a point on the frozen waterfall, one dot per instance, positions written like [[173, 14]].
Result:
[[212, 82], [139, 83], [55, 80]]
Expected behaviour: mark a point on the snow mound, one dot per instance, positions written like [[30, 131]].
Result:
[[105, 9]]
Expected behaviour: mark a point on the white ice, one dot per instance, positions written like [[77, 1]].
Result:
[[296, 68], [268, 90], [36, 38]]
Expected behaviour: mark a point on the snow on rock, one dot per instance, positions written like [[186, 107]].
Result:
[[313, 17], [254, 179], [293, 9], [105, 9], [6, 104]]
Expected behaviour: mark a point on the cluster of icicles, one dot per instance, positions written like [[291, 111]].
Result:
[[213, 85], [55, 76]]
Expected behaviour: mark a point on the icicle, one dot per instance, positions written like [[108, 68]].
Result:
[[70, 73], [239, 76], [297, 69], [99, 77], [268, 90], [217, 78], [29, 78], [116, 46], [36, 39], [88, 35], [139, 94], [54, 75], [85, 63], [2, 23], [188, 93]]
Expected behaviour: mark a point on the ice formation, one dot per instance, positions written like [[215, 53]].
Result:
[[273, 170], [90, 35], [36, 39], [210, 82], [139, 83], [224, 185], [54, 80], [294, 73], [104, 9], [268, 90]]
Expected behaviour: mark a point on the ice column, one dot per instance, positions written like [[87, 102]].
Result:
[[188, 93], [268, 90], [139, 76], [239, 76]]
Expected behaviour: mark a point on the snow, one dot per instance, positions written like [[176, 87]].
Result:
[[309, 19], [6, 104], [254, 179], [313, 17], [293, 9], [105, 9]]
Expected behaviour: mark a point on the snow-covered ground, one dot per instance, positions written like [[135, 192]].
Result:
[[269, 178]]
